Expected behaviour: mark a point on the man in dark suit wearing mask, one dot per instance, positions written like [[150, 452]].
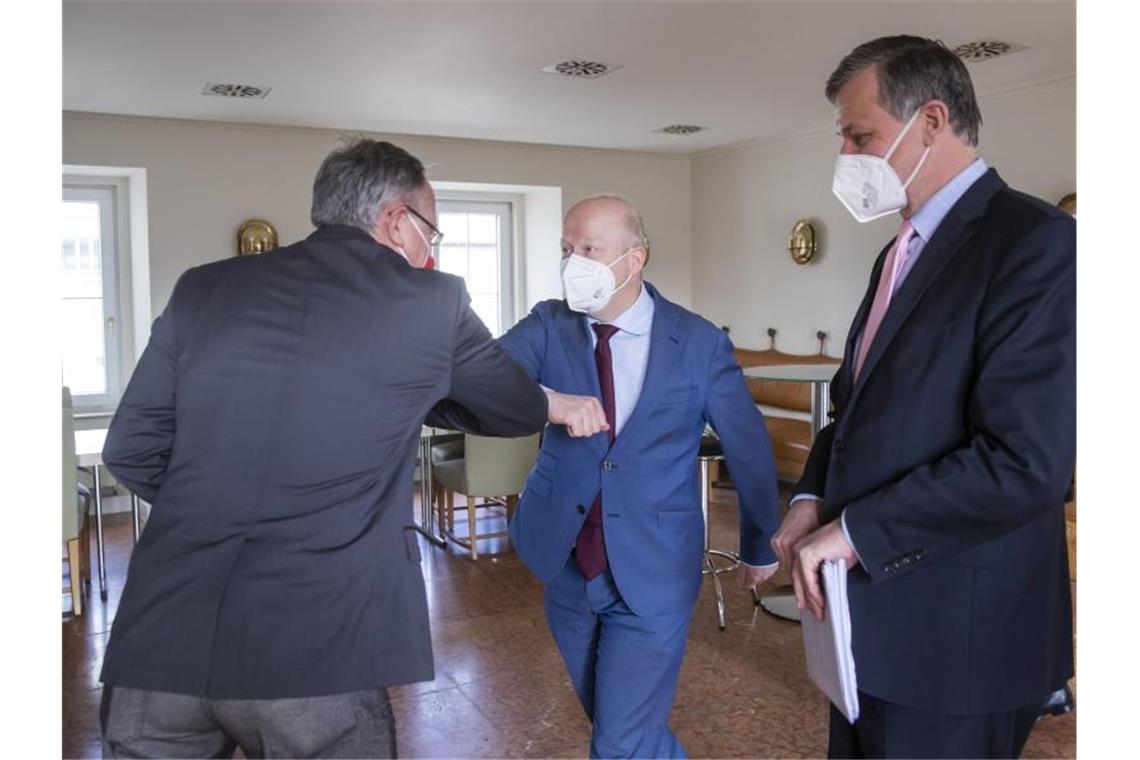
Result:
[[273, 422], [942, 479]]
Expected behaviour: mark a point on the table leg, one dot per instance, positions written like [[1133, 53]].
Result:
[[427, 516], [820, 401], [136, 516], [705, 498], [99, 552]]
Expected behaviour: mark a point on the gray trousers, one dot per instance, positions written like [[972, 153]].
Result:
[[140, 723]]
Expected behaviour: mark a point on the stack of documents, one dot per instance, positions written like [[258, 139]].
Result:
[[828, 644]]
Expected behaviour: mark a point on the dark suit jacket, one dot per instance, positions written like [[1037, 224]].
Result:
[[273, 423], [653, 526], [952, 453]]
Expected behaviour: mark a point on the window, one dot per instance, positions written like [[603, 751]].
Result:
[[477, 246], [92, 348]]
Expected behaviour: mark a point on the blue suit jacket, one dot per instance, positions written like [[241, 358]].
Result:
[[652, 519]]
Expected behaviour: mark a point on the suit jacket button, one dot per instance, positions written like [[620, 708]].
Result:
[[840, 446], [581, 510], [607, 465]]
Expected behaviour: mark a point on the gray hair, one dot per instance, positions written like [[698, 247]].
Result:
[[357, 180], [633, 221], [913, 71]]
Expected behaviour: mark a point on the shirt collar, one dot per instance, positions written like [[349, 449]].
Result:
[[937, 206], [637, 319]]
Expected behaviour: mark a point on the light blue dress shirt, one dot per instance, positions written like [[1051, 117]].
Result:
[[629, 347], [926, 221]]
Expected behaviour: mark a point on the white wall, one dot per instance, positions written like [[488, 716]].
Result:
[[746, 199], [722, 254], [205, 178]]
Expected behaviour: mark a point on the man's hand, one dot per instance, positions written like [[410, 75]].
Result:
[[583, 416], [751, 577], [829, 542], [801, 520]]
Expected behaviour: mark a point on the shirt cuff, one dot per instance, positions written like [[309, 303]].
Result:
[[801, 497], [847, 535], [761, 567]]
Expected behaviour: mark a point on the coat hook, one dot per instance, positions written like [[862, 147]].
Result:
[[821, 336], [772, 337]]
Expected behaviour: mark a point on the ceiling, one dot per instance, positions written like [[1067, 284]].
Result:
[[745, 70]]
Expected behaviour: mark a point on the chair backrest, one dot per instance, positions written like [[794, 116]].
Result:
[[71, 521], [793, 396], [498, 466]]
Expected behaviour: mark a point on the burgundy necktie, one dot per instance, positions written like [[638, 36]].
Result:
[[590, 548]]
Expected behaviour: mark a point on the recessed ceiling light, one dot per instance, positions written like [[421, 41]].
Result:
[[235, 90], [681, 129], [984, 50], [581, 69]]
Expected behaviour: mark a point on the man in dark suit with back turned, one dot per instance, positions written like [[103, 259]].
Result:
[[941, 480], [273, 422]]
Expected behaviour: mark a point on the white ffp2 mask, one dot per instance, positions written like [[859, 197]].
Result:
[[588, 284], [869, 186]]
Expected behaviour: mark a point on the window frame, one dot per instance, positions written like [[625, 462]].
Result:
[[116, 312], [505, 209]]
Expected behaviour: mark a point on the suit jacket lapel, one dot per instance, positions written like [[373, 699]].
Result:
[[951, 236], [665, 342], [576, 344]]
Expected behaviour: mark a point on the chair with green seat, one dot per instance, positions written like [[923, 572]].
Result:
[[491, 469], [76, 532], [444, 448]]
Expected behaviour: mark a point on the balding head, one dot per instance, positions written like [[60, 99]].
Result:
[[615, 211], [608, 229]]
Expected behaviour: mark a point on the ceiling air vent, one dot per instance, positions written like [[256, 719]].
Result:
[[235, 90], [984, 50], [576, 69], [681, 129]]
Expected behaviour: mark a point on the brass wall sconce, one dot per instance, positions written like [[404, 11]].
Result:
[[802, 244], [255, 236], [1068, 204]]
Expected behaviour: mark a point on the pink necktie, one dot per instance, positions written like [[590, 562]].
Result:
[[896, 257]]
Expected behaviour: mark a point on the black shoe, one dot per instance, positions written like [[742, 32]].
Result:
[[1059, 702]]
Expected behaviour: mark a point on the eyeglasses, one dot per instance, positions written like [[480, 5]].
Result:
[[436, 237]]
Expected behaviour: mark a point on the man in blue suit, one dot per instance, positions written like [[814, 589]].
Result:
[[611, 522]]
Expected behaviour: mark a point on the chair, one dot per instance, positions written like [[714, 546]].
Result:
[[444, 448], [710, 451], [491, 469], [447, 448], [76, 499]]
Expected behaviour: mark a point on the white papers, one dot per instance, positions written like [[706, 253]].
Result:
[[828, 644]]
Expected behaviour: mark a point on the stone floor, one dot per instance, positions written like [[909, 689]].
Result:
[[500, 688]]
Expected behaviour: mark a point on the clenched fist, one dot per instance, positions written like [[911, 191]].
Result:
[[583, 416]]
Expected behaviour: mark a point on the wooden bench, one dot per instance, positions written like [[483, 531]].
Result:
[[786, 407]]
